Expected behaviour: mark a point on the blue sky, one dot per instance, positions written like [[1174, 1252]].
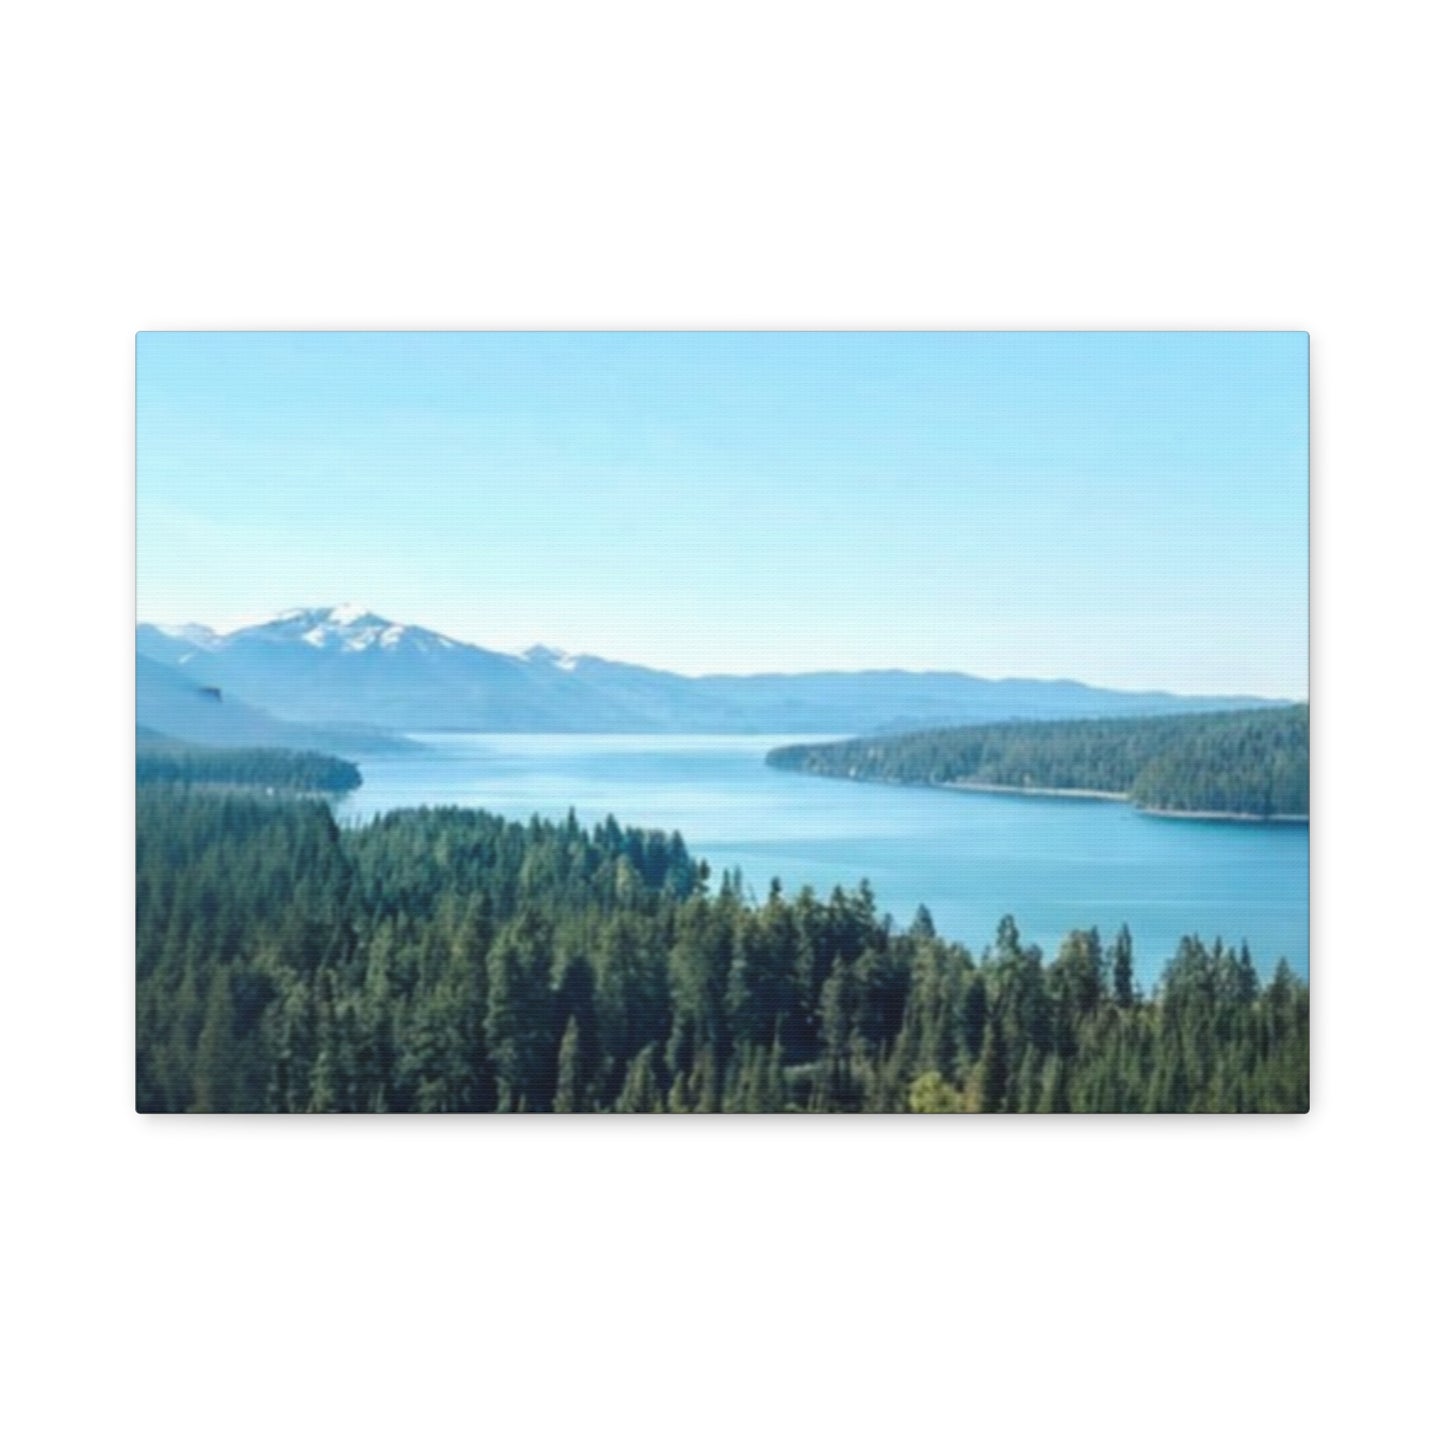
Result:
[[1128, 509]]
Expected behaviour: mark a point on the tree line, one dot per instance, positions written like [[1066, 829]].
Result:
[[159, 759], [448, 960], [1253, 762]]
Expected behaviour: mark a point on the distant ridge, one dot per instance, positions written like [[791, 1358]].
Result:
[[174, 703], [335, 665]]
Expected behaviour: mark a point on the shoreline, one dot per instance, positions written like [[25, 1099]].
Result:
[[1096, 795], [1087, 795], [1219, 817]]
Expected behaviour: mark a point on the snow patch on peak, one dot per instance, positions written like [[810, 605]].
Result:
[[348, 628], [195, 633], [551, 657]]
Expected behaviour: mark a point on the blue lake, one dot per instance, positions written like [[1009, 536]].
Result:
[[1055, 864]]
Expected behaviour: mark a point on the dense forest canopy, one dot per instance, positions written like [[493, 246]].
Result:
[[448, 960], [1252, 763], [159, 759]]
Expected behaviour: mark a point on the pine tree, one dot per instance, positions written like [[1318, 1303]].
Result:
[[642, 1093], [1053, 1091], [704, 1084], [572, 1090], [974, 1016], [518, 1026], [214, 1058], [1123, 961], [993, 1071]]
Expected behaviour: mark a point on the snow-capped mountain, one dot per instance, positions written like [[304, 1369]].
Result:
[[338, 629], [342, 664], [331, 665]]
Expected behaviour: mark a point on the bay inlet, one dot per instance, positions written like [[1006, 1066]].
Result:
[[1054, 863]]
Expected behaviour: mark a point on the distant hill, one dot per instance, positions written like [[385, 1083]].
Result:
[[1252, 763], [184, 705], [328, 666]]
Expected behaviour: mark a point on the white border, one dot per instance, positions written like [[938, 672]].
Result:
[[1040, 166]]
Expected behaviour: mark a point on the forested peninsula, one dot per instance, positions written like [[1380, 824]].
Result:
[[1250, 764], [448, 960], [160, 759]]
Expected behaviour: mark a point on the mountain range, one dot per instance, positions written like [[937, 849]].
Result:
[[344, 671]]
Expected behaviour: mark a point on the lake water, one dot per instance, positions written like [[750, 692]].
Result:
[[1055, 864]]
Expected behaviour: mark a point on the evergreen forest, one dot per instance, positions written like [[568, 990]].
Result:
[[1252, 763], [159, 759], [449, 960]]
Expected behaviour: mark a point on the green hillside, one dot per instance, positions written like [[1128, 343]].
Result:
[[448, 960], [1252, 763]]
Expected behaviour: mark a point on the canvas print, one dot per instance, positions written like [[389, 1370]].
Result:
[[716, 723]]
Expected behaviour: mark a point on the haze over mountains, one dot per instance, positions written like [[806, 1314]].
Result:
[[345, 668], [171, 703]]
